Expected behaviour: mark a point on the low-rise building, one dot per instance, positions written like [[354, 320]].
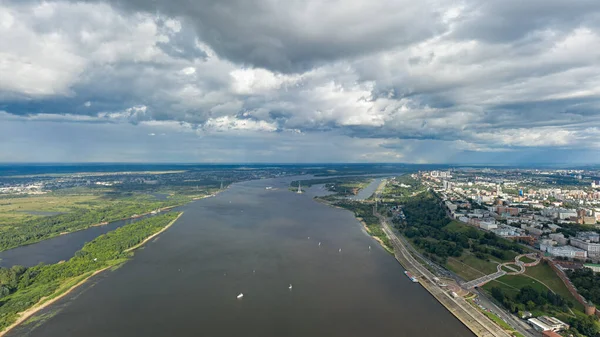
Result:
[[488, 225], [566, 214], [547, 323], [546, 245], [507, 211], [550, 333], [591, 236], [568, 252], [559, 238], [592, 248], [594, 267], [532, 230]]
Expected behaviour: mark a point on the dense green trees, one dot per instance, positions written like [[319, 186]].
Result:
[[585, 325], [528, 298], [46, 227], [587, 283], [21, 288], [427, 226]]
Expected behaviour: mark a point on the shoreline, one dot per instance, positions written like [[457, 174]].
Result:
[[42, 303], [154, 235], [463, 315], [364, 224], [137, 216], [23, 316]]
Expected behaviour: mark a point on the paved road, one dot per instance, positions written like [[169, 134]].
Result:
[[470, 316], [516, 323]]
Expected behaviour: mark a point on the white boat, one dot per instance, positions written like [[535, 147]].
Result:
[[340, 250], [290, 287], [319, 244], [240, 296]]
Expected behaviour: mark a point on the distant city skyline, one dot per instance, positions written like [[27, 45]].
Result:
[[457, 82]]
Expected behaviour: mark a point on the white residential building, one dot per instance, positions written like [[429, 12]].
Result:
[[488, 225], [568, 252], [592, 248]]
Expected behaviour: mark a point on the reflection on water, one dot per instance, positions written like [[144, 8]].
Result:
[[257, 242]]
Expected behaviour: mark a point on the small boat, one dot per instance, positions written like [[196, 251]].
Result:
[[319, 244], [411, 277], [309, 237], [340, 250], [290, 287], [369, 247], [240, 296]]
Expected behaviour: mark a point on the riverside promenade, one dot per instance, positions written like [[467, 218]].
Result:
[[467, 314]]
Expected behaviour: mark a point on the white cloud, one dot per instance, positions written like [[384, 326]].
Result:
[[227, 123], [419, 75]]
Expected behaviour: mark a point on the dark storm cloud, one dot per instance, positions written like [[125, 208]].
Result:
[[296, 35], [402, 78]]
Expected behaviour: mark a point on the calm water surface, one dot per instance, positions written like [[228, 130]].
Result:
[[257, 242], [56, 249], [368, 191]]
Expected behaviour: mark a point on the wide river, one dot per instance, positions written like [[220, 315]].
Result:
[[257, 242]]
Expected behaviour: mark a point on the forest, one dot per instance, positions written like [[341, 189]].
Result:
[[21, 288], [531, 299], [587, 283], [427, 227], [42, 228]]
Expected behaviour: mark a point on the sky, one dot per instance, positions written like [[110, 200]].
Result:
[[429, 81]]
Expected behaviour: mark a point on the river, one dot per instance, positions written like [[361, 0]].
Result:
[[257, 242], [58, 248], [368, 191]]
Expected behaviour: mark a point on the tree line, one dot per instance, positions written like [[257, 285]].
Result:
[[21, 287], [42, 228], [427, 226]]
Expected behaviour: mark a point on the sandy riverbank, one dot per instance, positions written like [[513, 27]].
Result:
[[364, 224], [154, 235], [23, 316], [42, 303]]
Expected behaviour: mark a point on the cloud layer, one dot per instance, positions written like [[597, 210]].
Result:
[[432, 81]]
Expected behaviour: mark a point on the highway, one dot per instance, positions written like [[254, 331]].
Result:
[[470, 316]]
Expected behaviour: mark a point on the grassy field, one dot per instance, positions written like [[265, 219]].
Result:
[[526, 259], [15, 209], [458, 227], [544, 273], [470, 267], [511, 284]]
